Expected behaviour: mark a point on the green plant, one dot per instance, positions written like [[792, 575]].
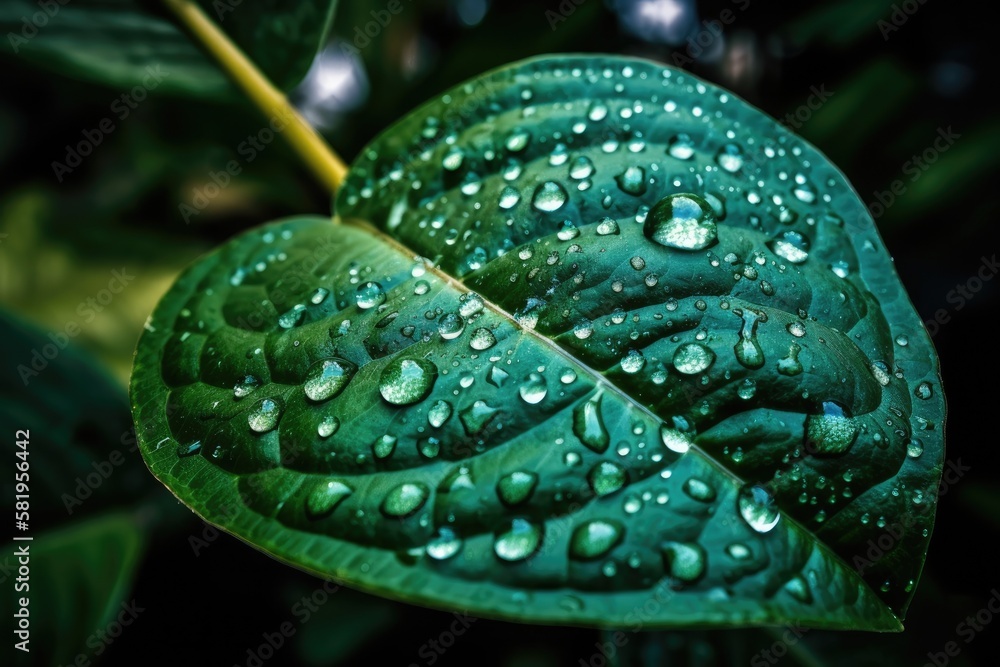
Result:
[[649, 359]]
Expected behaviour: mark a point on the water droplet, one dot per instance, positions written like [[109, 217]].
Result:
[[444, 545], [384, 446], [549, 197], [632, 181], [830, 433], [607, 226], [915, 448], [452, 160], [881, 374], [265, 415], [841, 269], [369, 295], [674, 440], [568, 376], [581, 168], [497, 376], [517, 140], [517, 487], [681, 146], [245, 386], [450, 326], [730, 158], [323, 499], [693, 358], [633, 361], [797, 329], [699, 490], [594, 539], [637, 263], [738, 551], [292, 317], [748, 350], [685, 561], [798, 588], [588, 425], [327, 377], [429, 448], [519, 541], [439, 413], [758, 508], [747, 389], [405, 499], [533, 389], [407, 381], [791, 245], [482, 339], [189, 450], [791, 365], [923, 391], [476, 416], [606, 478], [327, 426], [421, 287], [509, 197], [683, 221]]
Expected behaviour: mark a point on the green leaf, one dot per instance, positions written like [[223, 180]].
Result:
[[660, 372], [78, 586], [82, 451], [127, 43]]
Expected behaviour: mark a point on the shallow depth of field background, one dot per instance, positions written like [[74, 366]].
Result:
[[873, 84]]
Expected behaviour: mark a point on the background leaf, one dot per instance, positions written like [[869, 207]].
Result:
[[119, 43]]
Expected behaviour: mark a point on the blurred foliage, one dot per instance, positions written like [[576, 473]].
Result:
[[60, 241]]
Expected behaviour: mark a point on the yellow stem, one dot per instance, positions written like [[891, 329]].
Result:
[[320, 158]]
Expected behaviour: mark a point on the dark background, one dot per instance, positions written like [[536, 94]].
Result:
[[897, 74]]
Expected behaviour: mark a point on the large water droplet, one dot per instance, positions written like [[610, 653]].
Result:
[[407, 381], [681, 146], [730, 158], [451, 325], [384, 446], [265, 415], [606, 478], [405, 499], [444, 545], [533, 389], [517, 487], [594, 539], [748, 350], [369, 295], [519, 541], [758, 507], [633, 361], [439, 413], [327, 377], [792, 246], [830, 433], [291, 318], [682, 221], [581, 168], [327, 426], [482, 339], [685, 561], [674, 440], [693, 358], [632, 181], [509, 197], [549, 197], [245, 386], [588, 425], [699, 489], [323, 499]]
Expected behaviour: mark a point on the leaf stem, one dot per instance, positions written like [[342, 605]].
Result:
[[328, 168]]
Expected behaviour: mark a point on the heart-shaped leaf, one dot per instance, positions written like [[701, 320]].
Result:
[[659, 372], [123, 44]]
